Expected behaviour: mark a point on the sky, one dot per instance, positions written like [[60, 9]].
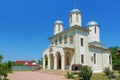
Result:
[[26, 25]]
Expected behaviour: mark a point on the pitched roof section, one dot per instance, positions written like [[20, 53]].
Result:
[[69, 29]]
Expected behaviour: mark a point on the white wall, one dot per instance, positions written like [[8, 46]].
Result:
[[74, 22], [92, 35], [68, 40], [56, 28]]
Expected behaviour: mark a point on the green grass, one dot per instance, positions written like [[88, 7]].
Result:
[[100, 76]]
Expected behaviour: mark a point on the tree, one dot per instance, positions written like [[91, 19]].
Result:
[[5, 68], [33, 60], [9, 64], [1, 57], [40, 61], [115, 61]]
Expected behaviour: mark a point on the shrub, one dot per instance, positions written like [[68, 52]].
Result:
[[85, 72], [69, 76], [109, 73], [118, 78]]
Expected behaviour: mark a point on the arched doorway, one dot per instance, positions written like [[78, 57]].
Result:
[[67, 60], [58, 56], [51, 61], [46, 61]]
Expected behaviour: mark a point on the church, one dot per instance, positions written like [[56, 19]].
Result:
[[76, 45]]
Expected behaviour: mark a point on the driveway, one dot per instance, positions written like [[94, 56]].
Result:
[[29, 75]]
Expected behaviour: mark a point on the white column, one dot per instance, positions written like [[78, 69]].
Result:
[[43, 63], [63, 63], [48, 63], [55, 63]]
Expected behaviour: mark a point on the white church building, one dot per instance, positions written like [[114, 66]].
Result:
[[76, 45]]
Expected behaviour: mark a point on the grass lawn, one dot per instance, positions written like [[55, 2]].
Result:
[[100, 76]]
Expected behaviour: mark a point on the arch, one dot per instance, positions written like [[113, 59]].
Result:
[[58, 56], [68, 59], [51, 61], [46, 60]]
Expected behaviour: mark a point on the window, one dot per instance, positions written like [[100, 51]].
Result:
[[95, 29], [56, 42], [70, 18], [58, 27], [60, 39], [82, 41], [88, 31], [77, 17], [71, 39], [50, 49], [65, 39], [82, 58], [94, 58], [110, 59]]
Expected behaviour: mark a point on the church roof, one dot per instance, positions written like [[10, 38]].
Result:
[[69, 29], [92, 23], [58, 22], [75, 11]]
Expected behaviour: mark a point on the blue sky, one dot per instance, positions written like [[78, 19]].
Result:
[[26, 25]]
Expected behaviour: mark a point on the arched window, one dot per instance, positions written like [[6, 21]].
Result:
[[77, 17], [65, 39], [82, 42], [95, 29], [94, 58], [58, 27], [60, 39], [110, 59], [71, 39], [56, 41], [70, 18], [82, 58]]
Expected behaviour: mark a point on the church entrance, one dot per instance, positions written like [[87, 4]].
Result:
[[68, 59], [46, 61], [58, 55], [51, 61]]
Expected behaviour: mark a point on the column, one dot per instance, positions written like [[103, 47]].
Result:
[[63, 62], [55, 63], [43, 63], [49, 63]]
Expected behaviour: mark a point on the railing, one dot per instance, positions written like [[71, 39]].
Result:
[[20, 68]]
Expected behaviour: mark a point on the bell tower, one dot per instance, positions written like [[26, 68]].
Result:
[[58, 26], [94, 34], [75, 17]]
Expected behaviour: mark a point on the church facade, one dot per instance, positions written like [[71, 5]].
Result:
[[76, 45]]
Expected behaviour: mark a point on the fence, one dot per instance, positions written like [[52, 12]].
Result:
[[20, 68]]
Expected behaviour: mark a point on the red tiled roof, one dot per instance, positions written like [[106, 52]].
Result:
[[27, 63]]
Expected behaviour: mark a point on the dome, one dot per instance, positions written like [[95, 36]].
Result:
[[75, 11], [58, 22], [92, 23]]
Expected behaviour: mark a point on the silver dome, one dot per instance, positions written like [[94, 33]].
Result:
[[58, 22], [75, 11], [92, 23]]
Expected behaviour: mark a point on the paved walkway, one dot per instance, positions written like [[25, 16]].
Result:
[[29, 75]]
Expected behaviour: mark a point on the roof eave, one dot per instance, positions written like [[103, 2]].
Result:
[[69, 29]]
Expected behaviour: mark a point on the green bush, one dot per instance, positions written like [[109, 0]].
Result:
[[110, 74], [117, 78], [85, 72], [69, 76]]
